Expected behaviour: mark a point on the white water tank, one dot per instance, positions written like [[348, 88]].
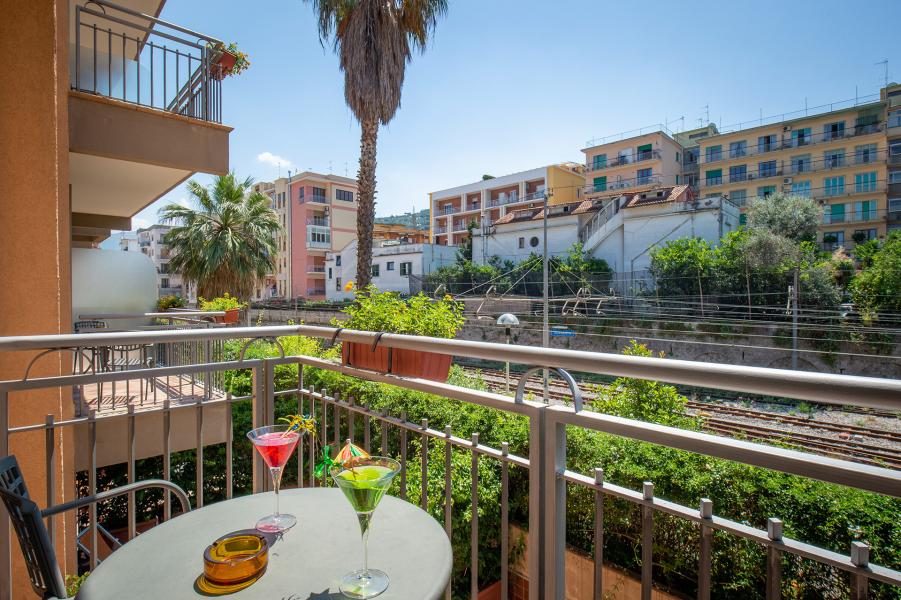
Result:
[[112, 281]]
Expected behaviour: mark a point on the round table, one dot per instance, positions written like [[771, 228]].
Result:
[[307, 562]]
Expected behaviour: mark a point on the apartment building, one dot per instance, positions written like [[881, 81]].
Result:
[[486, 201], [838, 158], [90, 137], [151, 242], [278, 283], [891, 95], [643, 158]]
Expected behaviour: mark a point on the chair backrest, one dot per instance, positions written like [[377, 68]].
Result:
[[40, 558]]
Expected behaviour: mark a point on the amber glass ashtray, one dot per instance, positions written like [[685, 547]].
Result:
[[233, 562]]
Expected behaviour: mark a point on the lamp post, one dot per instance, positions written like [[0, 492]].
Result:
[[507, 320]]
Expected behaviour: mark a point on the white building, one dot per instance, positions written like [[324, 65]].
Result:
[[620, 229], [151, 242], [393, 263]]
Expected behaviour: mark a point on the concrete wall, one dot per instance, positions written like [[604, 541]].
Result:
[[34, 244], [504, 242]]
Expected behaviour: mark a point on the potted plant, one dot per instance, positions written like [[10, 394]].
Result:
[[859, 237], [226, 60], [231, 305], [387, 312], [167, 302]]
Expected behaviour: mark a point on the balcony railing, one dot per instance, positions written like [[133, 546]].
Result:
[[439, 230], [129, 56], [620, 161], [536, 195], [754, 149], [504, 199], [326, 245], [799, 169], [318, 221], [541, 467], [852, 216], [624, 184]]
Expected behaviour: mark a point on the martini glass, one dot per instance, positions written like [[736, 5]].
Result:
[[364, 481], [275, 443]]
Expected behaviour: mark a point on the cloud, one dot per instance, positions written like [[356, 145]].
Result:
[[139, 223], [273, 159]]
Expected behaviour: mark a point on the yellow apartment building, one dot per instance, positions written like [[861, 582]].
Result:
[[839, 159], [891, 95], [486, 201]]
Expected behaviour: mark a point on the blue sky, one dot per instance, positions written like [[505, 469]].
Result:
[[508, 85]]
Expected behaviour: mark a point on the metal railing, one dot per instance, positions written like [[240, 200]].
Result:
[[505, 199], [129, 56], [784, 168], [318, 221], [626, 159], [854, 216], [625, 184], [545, 465]]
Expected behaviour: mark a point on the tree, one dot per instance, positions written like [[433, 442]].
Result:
[[374, 40], [878, 288], [680, 267], [789, 216], [464, 251], [227, 243]]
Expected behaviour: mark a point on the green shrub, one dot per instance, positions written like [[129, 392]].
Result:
[[167, 302], [224, 302], [420, 315]]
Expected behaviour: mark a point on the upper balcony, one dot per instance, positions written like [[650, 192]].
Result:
[[626, 159], [145, 110], [545, 479]]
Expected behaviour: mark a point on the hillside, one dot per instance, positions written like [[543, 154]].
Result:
[[421, 219]]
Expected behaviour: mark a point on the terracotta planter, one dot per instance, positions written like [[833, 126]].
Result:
[[232, 315], [223, 68], [492, 592], [425, 365], [363, 357]]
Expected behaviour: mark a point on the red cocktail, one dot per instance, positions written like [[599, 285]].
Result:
[[275, 443]]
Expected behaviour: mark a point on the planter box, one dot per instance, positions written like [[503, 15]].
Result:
[[223, 68], [362, 356], [492, 592], [410, 363], [426, 365]]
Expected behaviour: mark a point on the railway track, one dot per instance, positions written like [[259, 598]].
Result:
[[819, 437]]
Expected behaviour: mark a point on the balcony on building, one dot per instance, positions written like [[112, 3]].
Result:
[[145, 112]]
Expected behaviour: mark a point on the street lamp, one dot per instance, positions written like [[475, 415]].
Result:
[[507, 320]]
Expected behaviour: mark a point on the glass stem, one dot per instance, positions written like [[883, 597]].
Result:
[[364, 519], [276, 482]]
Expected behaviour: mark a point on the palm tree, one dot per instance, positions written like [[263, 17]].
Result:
[[226, 244], [374, 40]]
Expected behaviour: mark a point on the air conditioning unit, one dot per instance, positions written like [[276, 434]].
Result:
[[787, 128], [786, 180], [750, 175]]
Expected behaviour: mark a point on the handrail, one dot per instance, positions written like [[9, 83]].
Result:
[[156, 20], [817, 387]]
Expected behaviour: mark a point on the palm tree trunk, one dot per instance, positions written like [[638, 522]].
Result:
[[369, 131]]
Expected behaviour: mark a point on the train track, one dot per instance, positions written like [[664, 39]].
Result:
[[820, 437]]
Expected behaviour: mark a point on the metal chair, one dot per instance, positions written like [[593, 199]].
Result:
[[27, 519]]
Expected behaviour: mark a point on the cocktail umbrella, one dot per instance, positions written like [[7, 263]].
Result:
[[349, 452]]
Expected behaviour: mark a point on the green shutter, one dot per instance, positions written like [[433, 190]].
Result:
[[600, 184], [742, 219], [645, 148]]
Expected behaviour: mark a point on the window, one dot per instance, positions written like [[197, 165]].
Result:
[[866, 234], [714, 176], [738, 173], [599, 162], [406, 269], [766, 143], [834, 159], [865, 210], [834, 186], [833, 239], [389, 266], [534, 241], [766, 169], [801, 137], [345, 195], [319, 237], [522, 242], [164, 282], [300, 193], [337, 284], [338, 261], [742, 219], [765, 191], [375, 270], [833, 131], [894, 118], [800, 164], [894, 205], [865, 123], [865, 154], [894, 148], [624, 157], [739, 197], [738, 149], [319, 192], [836, 214], [894, 177], [865, 182], [678, 156], [645, 152], [329, 272], [801, 188], [643, 176], [600, 184], [714, 153]]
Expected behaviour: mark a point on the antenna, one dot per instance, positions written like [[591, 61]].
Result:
[[279, 166], [330, 167], [345, 168], [884, 63]]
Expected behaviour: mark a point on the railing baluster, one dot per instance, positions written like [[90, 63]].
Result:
[[505, 522], [229, 447], [704, 557], [77, 51], [92, 486], [474, 524], [336, 417], [384, 432], [403, 456], [599, 534], [151, 104], [424, 466], [448, 499], [124, 71], [132, 525], [350, 419], [94, 52], [860, 557], [50, 454], [138, 69], [167, 457], [109, 62], [366, 430], [647, 541], [300, 412], [198, 457], [312, 445], [773, 560]]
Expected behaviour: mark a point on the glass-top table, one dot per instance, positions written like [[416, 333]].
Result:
[[307, 561]]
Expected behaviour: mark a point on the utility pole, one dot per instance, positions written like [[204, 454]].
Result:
[[545, 335], [794, 297]]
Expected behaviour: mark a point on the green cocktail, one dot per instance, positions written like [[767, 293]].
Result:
[[364, 482]]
